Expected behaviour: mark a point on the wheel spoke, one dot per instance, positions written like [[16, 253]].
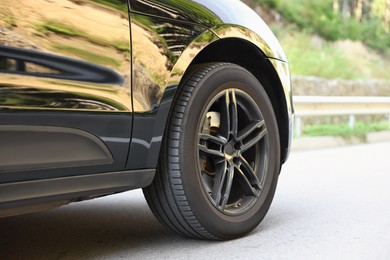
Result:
[[228, 187], [234, 115], [225, 115], [249, 129], [207, 180], [246, 185], [253, 141], [210, 152], [250, 174], [216, 139], [219, 180]]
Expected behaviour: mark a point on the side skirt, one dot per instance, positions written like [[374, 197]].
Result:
[[30, 196]]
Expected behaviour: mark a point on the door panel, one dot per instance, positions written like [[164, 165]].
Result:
[[64, 64], [72, 55]]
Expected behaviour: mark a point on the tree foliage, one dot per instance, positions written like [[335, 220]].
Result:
[[364, 20]]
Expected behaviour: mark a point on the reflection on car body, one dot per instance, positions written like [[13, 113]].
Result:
[[190, 100]]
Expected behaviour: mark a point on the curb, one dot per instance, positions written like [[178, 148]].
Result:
[[323, 142]]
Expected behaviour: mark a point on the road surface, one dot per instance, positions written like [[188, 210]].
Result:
[[330, 204]]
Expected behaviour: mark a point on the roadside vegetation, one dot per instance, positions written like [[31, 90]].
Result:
[[360, 130], [334, 39], [358, 20], [347, 39], [310, 55]]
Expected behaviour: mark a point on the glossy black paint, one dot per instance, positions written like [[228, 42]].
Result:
[[65, 64], [214, 15], [64, 58], [146, 140], [168, 39], [59, 67], [114, 74], [219, 23], [187, 11]]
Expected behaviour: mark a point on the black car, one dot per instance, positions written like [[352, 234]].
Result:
[[188, 99]]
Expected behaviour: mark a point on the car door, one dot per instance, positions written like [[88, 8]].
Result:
[[65, 88]]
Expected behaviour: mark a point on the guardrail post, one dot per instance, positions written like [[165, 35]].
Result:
[[389, 120], [298, 126], [352, 121]]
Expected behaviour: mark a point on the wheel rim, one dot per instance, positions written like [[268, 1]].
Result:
[[233, 151]]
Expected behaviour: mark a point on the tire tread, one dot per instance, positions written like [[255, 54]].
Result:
[[166, 195]]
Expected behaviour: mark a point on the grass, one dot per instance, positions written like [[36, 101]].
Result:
[[310, 55], [361, 129], [318, 42], [88, 56], [319, 17]]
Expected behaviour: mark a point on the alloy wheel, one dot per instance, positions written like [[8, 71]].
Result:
[[233, 151]]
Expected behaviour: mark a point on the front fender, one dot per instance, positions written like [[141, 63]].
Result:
[[212, 14], [235, 14], [149, 126]]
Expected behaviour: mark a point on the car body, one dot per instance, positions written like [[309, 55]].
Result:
[[87, 89]]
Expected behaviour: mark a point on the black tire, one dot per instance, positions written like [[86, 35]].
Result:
[[216, 179]]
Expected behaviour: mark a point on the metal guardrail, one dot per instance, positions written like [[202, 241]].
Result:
[[336, 106]]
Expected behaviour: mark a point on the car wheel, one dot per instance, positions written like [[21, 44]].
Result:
[[220, 157]]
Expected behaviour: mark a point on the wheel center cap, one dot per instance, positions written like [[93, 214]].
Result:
[[230, 152]]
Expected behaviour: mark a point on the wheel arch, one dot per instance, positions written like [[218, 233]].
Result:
[[213, 46], [255, 61]]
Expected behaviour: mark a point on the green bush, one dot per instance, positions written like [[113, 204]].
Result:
[[375, 36], [361, 129], [318, 16]]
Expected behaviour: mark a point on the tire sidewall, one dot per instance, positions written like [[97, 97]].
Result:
[[214, 221]]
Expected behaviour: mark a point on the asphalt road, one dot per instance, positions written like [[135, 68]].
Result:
[[330, 204]]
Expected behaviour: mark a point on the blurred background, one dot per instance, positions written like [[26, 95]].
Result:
[[330, 203], [335, 48]]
